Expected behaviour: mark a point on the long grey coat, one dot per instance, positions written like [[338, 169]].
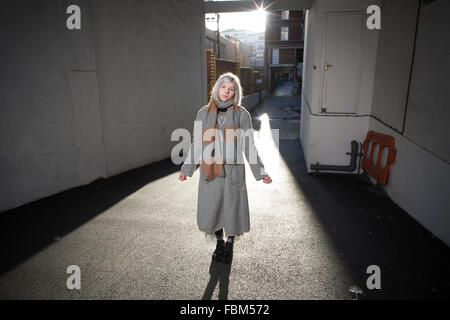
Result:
[[223, 201]]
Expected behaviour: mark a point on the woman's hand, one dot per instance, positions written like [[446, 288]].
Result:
[[182, 177], [267, 179]]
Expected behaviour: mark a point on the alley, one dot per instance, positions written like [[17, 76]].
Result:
[[134, 236]]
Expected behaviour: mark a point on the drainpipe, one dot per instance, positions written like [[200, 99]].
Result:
[[350, 168]]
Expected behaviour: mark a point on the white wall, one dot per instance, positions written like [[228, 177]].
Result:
[[326, 138], [418, 119], [79, 105], [420, 177]]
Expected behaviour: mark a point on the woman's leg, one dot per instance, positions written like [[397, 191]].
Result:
[[217, 255], [230, 239], [219, 234], [228, 250]]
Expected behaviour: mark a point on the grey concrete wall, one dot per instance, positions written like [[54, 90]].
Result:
[[428, 110], [252, 100], [420, 177], [423, 110], [395, 52], [79, 105]]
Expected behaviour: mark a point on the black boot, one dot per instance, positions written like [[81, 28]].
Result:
[[228, 252], [218, 253]]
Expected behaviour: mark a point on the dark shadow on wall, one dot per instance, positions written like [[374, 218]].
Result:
[[28, 229]]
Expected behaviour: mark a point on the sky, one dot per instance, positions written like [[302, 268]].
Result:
[[253, 21]]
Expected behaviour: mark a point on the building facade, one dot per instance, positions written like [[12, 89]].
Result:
[[284, 42], [255, 43]]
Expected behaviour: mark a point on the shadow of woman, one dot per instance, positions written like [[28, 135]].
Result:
[[219, 272]]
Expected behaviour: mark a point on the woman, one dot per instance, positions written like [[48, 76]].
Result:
[[227, 132]]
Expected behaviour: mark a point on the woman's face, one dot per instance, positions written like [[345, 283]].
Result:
[[226, 91]]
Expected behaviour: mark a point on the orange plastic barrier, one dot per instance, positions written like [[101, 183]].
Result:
[[376, 170]]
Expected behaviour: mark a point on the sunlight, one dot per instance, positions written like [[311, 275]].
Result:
[[257, 19], [254, 21], [267, 143]]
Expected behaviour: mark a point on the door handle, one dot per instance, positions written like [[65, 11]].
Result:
[[326, 65]]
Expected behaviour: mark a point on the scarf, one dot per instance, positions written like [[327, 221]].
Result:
[[212, 161], [223, 105]]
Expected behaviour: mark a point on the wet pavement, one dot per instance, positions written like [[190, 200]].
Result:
[[135, 236]]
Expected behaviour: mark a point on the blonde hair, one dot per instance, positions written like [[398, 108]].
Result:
[[225, 78]]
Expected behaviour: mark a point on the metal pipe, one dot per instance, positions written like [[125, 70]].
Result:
[[360, 154], [350, 168]]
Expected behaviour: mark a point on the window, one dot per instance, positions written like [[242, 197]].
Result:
[[284, 33], [275, 56], [285, 15]]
